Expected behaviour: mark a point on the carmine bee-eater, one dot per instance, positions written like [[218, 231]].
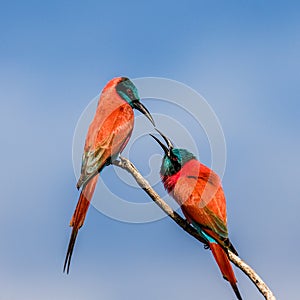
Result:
[[108, 134], [198, 190]]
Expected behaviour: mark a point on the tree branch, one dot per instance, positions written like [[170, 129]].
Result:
[[125, 164]]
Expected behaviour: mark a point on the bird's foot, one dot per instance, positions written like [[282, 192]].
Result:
[[206, 247]]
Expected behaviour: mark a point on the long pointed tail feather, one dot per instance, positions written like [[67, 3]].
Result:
[[78, 217], [224, 264], [70, 250]]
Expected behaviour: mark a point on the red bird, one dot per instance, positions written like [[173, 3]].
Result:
[[107, 136], [198, 190]]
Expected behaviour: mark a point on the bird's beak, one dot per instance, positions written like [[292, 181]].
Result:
[[140, 107], [167, 140], [166, 149]]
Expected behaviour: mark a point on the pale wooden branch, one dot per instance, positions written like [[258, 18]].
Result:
[[125, 164]]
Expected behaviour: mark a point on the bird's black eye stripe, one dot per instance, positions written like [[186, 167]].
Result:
[[177, 165], [121, 87], [129, 93]]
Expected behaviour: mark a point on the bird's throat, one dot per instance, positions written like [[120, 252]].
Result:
[[170, 181]]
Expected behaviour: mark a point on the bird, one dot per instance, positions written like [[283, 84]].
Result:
[[198, 191], [107, 136]]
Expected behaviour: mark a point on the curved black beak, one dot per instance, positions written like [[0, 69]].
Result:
[[166, 149], [167, 140], [140, 107]]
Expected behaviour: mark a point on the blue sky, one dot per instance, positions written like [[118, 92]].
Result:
[[243, 57]]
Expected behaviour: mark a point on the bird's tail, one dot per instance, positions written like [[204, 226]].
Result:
[[79, 216], [224, 264]]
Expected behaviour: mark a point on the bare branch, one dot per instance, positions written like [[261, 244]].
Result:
[[255, 278], [125, 164]]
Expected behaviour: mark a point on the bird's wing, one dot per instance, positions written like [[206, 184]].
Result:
[[202, 199], [105, 141]]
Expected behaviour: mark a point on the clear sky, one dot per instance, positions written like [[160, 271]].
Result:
[[55, 56]]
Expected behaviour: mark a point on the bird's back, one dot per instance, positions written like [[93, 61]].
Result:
[[108, 134], [199, 192], [113, 115]]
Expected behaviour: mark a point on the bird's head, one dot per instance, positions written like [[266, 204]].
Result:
[[174, 158], [128, 92]]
